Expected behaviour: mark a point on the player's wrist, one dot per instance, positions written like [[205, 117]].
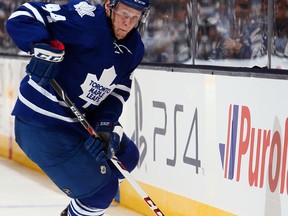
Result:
[[52, 52], [111, 133], [44, 65]]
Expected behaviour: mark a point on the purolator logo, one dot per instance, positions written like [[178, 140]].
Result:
[[265, 150]]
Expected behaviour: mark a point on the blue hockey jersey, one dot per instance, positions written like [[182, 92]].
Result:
[[97, 69]]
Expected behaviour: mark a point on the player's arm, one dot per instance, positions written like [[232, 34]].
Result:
[[105, 120], [28, 25], [111, 108]]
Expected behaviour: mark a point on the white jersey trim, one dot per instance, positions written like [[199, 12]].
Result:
[[44, 112], [20, 13], [45, 93], [35, 12], [80, 209], [123, 88], [119, 97]]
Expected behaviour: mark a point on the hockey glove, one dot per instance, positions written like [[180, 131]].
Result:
[[44, 65], [95, 147], [111, 134]]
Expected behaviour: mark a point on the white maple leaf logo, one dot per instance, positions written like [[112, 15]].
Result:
[[83, 8], [94, 90]]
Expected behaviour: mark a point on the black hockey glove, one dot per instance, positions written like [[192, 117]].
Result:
[[111, 134], [44, 65]]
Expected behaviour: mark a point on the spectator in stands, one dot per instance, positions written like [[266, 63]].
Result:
[[157, 36], [6, 44], [208, 40], [165, 36], [247, 40], [181, 38], [213, 25], [2, 24], [280, 39], [225, 18]]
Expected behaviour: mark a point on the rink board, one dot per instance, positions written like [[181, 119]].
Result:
[[209, 144], [221, 141]]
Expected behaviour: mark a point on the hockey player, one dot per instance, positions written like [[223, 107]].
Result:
[[91, 51]]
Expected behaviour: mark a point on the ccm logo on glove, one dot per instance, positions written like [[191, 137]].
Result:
[[44, 65]]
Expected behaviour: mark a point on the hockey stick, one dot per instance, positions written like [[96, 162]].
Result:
[[114, 160]]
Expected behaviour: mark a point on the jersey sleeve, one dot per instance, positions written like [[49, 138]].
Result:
[[29, 24]]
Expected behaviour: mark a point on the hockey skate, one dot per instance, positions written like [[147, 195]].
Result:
[[64, 212]]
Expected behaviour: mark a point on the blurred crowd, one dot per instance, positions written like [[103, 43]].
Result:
[[214, 29], [6, 44], [178, 30]]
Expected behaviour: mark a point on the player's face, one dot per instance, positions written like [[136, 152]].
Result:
[[124, 19]]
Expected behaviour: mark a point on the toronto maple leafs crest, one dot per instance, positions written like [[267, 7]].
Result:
[[83, 8], [96, 90]]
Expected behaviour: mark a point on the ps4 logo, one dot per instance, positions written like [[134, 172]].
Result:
[[188, 154]]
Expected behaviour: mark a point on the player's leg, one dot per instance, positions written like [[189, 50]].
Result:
[[128, 154], [62, 157], [97, 204]]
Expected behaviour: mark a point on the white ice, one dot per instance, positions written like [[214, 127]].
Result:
[[25, 192]]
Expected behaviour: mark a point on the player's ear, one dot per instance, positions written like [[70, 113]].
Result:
[[107, 7]]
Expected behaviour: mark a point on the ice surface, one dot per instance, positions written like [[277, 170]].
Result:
[[26, 192]]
